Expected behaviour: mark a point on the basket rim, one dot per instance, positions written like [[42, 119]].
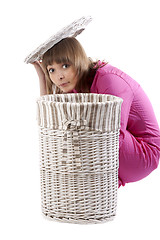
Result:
[[114, 100]]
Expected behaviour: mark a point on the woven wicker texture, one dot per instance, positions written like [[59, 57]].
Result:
[[72, 30], [79, 147]]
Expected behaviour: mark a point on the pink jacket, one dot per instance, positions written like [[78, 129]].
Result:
[[139, 151]]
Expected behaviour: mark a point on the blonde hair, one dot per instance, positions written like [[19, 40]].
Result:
[[69, 50]]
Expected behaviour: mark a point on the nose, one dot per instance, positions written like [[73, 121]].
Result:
[[60, 76]]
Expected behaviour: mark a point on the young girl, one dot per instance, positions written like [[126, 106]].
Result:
[[65, 68]]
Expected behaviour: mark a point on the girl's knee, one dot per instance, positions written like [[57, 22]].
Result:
[[137, 160]]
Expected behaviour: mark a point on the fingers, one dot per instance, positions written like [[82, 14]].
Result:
[[37, 62]]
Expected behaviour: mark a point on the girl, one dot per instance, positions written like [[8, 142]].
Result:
[[65, 68]]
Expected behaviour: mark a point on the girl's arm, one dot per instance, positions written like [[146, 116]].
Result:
[[42, 79], [113, 84]]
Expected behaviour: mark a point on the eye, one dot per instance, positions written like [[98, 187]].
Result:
[[51, 70], [65, 65]]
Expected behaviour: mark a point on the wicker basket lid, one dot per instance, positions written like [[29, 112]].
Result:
[[72, 30]]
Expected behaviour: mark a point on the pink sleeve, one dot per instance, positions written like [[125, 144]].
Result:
[[115, 85]]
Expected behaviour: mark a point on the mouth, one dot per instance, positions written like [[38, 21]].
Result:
[[63, 84]]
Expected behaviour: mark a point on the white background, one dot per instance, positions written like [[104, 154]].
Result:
[[125, 33]]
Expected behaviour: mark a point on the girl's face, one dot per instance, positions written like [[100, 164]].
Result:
[[63, 75]]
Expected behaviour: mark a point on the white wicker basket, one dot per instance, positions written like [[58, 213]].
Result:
[[79, 149]]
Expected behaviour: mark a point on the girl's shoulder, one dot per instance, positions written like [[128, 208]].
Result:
[[107, 70], [108, 75]]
